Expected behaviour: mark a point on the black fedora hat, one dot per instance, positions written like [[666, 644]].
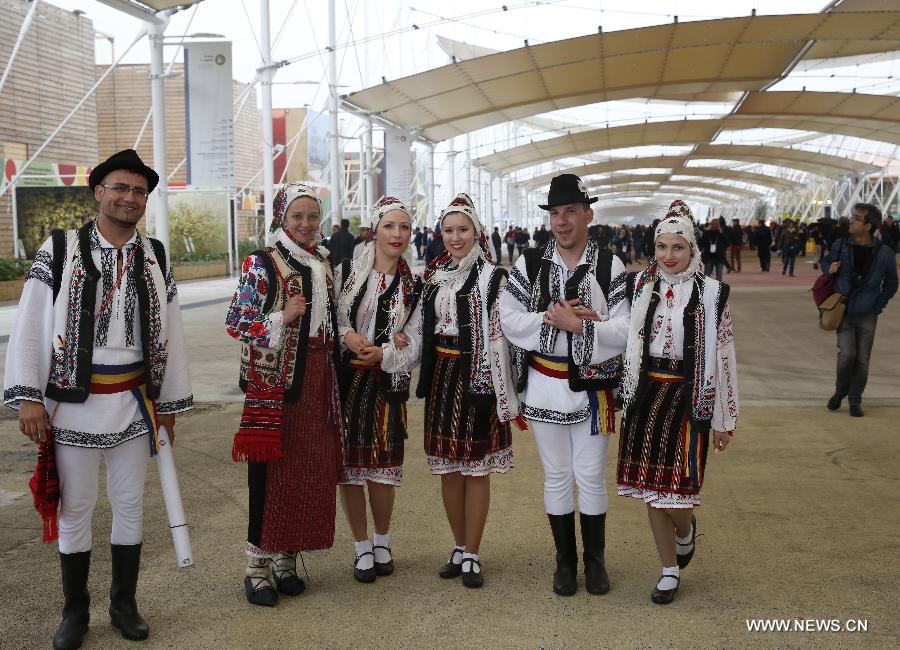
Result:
[[566, 188], [128, 160]]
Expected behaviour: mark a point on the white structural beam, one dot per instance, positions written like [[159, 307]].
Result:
[[337, 162], [23, 30], [267, 73]]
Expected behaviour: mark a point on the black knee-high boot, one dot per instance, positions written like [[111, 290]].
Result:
[[565, 577], [593, 536], [123, 610], [77, 608]]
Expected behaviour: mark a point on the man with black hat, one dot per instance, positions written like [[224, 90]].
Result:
[[564, 310], [96, 364]]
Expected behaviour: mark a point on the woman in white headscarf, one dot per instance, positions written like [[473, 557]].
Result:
[[679, 389], [283, 313], [465, 379], [378, 292]]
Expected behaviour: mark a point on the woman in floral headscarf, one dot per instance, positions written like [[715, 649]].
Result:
[[283, 313], [378, 292], [679, 384], [465, 379]]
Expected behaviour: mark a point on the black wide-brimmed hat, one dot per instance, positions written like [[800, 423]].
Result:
[[566, 188], [128, 160]]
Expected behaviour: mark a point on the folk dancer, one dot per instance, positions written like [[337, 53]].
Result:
[[283, 313], [465, 379], [679, 382], [96, 363], [378, 294], [564, 310]]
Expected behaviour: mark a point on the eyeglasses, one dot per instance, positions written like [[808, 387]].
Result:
[[121, 189], [856, 217]]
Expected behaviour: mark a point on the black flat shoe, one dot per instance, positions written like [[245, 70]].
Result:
[[259, 591], [471, 579], [684, 560], [291, 585], [664, 596], [451, 570], [834, 402], [363, 575], [856, 411], [385, 568]]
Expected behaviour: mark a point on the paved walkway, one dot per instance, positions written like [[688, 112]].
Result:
[[799, 521]]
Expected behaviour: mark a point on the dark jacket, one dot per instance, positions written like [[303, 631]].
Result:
[[873, 291], [790, 242], [735, 235], [341, 246], [762, 238], [707, 240]]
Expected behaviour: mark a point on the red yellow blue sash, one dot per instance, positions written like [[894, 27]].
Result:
[[109, 379], [602, 402]]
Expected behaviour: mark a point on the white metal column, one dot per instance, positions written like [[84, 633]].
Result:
[[370, 173], [158, 107], [337, 164], [429, 181], [268, 139]]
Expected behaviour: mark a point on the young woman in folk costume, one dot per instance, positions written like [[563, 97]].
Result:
[[378, 293], [679, 384], [283, 313], [465, 379]]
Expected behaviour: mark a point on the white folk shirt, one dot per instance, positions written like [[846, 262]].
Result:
[[101, 421], [548, 399], [667, 341]]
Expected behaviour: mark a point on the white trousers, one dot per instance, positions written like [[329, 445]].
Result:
[[571, 454], [79, 467]]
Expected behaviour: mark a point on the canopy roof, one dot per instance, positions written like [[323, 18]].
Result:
[[654, 181], [875, 117], [694, 60], [816, 163]]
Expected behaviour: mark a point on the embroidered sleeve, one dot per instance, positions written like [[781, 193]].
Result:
[[521, 327], [175, 394], [605, 339], [246, 321], [41, 268], [171, 287], [725, 409], [30, 349], [404, 359], [501, 365]]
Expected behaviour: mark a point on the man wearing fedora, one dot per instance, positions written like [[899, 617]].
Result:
[[96, 363], [565, 313]]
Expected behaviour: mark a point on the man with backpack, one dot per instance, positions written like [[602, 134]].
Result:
[[96, 365], [565, 312], [865, 272]]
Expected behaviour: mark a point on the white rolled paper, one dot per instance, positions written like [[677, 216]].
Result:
[[181, 538]]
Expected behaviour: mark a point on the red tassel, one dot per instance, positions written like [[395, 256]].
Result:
[[520, 422]]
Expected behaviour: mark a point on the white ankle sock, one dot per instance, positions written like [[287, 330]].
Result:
[[474, 567], [382, 555], [366, 561], [457, 555], [684, 545], [668, 579], [284, 565]]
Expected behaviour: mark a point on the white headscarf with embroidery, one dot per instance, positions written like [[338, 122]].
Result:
[[678, 221], [365, 262], [443, 270]]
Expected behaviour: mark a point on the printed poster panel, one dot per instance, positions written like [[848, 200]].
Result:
[[209, 114]]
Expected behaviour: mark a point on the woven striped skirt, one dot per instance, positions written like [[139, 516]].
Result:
[[373, 444], [661, 455], [459, 435]]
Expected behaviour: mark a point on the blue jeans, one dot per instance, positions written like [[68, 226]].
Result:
[[854, 338], [719, 266]]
